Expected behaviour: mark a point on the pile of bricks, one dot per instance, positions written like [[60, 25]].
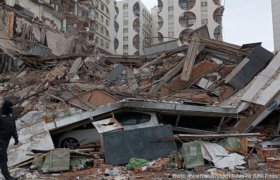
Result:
[[271, 157]]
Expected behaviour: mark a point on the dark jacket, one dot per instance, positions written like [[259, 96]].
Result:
[[7, 127]]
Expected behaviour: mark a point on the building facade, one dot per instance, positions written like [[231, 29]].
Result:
[[275, 6], [173, 18], [92, 20], [133, 24], [104, 13]]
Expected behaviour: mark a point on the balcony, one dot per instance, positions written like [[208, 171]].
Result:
[[136, 25], [116, 26], [217, 16], [217, 2], [160, 22], [136, 9], [187, 19], [116, 43], [160, 6], [160, 37], [186, 4], [136, 41]]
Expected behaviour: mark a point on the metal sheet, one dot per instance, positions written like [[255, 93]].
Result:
[[116, 72], [107, 125], [258, 58], [166, 46], [35, 136], [265, 85], [120, 147]]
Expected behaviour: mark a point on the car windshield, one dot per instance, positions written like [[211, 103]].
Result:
[[132, 118]]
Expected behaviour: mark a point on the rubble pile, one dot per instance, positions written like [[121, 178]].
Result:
[[187, 107]]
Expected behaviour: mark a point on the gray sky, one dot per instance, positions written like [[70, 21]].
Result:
[[244, 21]]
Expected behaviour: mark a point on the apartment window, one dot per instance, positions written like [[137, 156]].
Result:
[[90, 37], [125, 22], [102, 18], [107, 11], [171, 17], [171, 25], [102, 7], [96, 3], [106, 44], [125, 38], [102, 30], [204, 21], [204, 12], [96, 14], [125, 30], [171, 8], [170, 0], [97, 39], [125, 6], [170, 34], [125, 14], [102, 42], [96, 27], [125, 47], [203, 4], [107, 33], [107, 22], [108, 1]]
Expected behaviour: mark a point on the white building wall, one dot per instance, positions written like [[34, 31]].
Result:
[[131, 32], [275, 6], [111, 28]]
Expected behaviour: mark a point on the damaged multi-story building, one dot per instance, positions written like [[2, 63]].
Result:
[[49, 27]]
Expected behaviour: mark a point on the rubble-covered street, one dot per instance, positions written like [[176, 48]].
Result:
[[191, 108]]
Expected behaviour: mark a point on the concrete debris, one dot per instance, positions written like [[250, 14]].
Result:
[[73, 100]]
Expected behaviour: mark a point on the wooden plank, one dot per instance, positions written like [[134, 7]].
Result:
[[79, 102], [153, 62], [11, 24], [132, 82], [191, 56], [236, 70]]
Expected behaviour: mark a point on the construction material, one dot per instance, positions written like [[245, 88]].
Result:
[[125, 144]]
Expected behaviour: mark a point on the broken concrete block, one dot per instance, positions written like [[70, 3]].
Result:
[[75, 67]]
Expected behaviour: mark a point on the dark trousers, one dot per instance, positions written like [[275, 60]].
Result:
[[4, 158]]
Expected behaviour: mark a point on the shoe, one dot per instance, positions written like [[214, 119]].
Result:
[[12, 178]]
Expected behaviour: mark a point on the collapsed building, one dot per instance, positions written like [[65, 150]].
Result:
[[194, 87]]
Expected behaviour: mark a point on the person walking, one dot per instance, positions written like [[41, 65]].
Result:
[[7, 130]]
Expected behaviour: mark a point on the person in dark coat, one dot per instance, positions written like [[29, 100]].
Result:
[[7, 130]]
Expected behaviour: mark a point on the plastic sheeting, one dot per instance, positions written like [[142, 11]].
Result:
[[232, 144], [134, 162], [192, 154], [29, 118]]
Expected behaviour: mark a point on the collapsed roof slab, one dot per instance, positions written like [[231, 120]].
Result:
[[145, 106]]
